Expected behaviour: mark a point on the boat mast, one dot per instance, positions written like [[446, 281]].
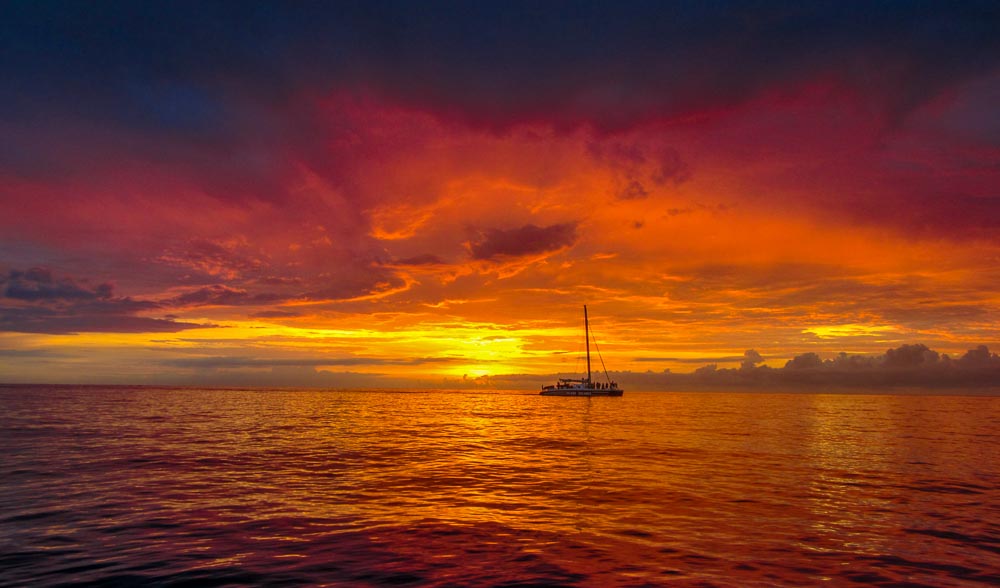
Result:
[[586, 334]]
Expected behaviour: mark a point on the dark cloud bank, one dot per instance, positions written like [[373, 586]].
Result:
[[233, 94], [33, 301], [170, 65], [523, 241], [908, 366]]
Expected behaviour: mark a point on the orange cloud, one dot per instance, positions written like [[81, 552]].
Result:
[[400, 231]]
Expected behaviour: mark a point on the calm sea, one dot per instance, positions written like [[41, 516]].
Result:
[[166, 486]]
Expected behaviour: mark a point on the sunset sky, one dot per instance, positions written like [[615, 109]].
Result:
[[382, 193]]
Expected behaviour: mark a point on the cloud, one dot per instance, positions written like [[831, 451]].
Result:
[[523, 241], [228, 259], [221, 295], [424, 259], [373, 284], [909, 356], [317, 281], [909, 365], [609, 65], [977, 369], [670, 168], [275, 314], [633, 191], [107, 319], [805, 361], [37, 284], [935, 209], [34, 354], [239, 362], [639, 164], [40, 303], [240, 167], [695, 360], [750, 359], [980, 357]]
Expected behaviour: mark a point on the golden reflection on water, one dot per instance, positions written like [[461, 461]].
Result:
[[706, 487]]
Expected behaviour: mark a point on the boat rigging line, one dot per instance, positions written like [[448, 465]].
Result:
[[598, 348]]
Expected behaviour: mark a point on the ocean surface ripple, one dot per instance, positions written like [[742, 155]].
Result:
[[211, 487]]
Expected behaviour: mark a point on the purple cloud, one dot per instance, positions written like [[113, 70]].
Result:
[[37, 284], [40, 303], [424, 259], [275, 314], [523, 241], [68, 321], [222, 295]]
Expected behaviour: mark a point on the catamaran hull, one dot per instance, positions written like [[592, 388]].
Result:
[[580, 392]]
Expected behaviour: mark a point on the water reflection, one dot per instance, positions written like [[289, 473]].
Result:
[[449, 488]]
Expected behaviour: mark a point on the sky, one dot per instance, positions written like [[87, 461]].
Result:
[[364, 194]]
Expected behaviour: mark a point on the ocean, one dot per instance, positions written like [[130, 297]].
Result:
[[118, 486]]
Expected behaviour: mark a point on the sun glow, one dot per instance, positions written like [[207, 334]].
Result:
[[850, 330], [381, 235]]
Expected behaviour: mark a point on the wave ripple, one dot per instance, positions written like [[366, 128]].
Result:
[[171, 487]]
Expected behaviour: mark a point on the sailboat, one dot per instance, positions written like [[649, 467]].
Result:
[[584, 386]]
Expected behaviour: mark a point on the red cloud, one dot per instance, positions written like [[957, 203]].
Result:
[[522, 241]]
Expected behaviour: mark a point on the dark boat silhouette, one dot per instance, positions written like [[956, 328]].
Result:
[[584, 386]]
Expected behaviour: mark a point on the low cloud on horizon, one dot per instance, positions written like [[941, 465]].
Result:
[[907, 366], [310, 180]]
